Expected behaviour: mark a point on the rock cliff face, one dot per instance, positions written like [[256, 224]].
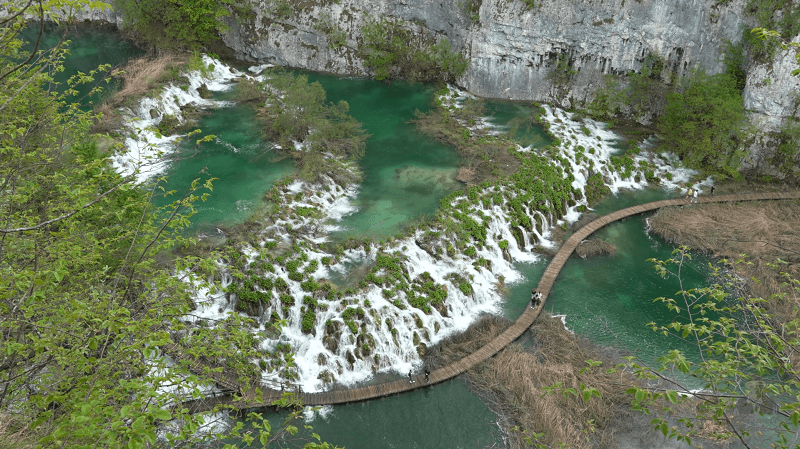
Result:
[[514, 50], [517, 53], [557, 52]]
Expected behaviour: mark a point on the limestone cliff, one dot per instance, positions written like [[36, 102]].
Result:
[[516, 52], [512, 49]]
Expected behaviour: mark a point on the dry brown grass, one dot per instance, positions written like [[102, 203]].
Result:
[[595, 247], [139, 77], [763, 231], [142, 74], [16, 435], [514, 381]]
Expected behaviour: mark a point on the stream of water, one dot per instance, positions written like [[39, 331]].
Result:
[[607, 299]]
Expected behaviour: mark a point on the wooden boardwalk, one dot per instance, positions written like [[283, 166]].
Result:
[[260, 396]]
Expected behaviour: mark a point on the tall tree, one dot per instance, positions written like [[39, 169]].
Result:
[[703, 122]]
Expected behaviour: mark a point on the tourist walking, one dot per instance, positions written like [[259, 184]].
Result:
[[712, 191], [410, 379], [694, 196], [427, 375], [536, 298]]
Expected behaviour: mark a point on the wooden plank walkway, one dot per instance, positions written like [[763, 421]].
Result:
[[267, 396]]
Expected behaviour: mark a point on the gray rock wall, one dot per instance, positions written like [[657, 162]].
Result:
[[513, 51]]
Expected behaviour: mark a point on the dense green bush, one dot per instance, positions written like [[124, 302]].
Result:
[[392, 50], [181, 23], [296, 111], [702, 123], [779, 15]]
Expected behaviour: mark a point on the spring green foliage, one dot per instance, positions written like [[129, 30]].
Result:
[[309, 314], [89, 288], [734, 63], [788, 147], [745, 360], [702, 123], [596, 189], [780, 16], [772, 35], [392, 50], [298, 112], [425, 292], [168, 124], [607, 100], [168, 23], [562, 72]]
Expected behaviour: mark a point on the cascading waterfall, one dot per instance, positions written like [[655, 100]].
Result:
[[384, 332]]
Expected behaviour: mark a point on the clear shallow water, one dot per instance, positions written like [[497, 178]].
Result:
[[609, 299], [444, 416], [243, 162], [516, 116], [406, 173]]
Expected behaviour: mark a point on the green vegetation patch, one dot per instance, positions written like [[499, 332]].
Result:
[[425, 293], [703, 123], [296, 111], [391, 49], [185, 23]]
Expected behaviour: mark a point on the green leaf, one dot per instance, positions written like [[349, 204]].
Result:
[[162, 415]]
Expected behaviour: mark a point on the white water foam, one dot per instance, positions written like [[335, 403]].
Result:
[[346, 362], [145, 149]]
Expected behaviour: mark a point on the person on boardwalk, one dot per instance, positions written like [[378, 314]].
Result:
[[536, 298], [689, 193], [712, 191], [427, 375], [694, 196], [410, 378]]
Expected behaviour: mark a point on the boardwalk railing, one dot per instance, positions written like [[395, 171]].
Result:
[[261, 396]]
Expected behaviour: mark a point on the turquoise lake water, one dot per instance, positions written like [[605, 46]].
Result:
[[607, 299]]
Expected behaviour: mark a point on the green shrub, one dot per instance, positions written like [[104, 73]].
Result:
[[186, 23], [392, 50], [702, 123], [168, 124], [309, 317], [309, 286], [287, 299]]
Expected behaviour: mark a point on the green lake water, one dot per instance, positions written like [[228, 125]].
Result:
[[445, 416], [244, 164], [89, 47], [515, 117], [406, 173], [607, 299]]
